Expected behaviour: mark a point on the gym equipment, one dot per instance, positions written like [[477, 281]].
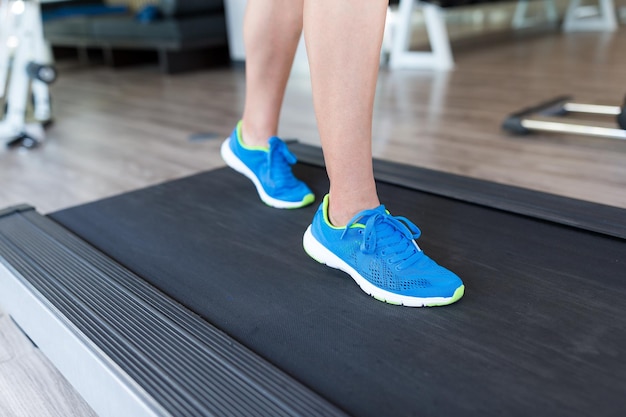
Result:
[[25, 61], [551, 116], [192, 298]]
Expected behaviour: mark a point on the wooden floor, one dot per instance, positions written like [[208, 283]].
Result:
[[29, 384], [120, 130]]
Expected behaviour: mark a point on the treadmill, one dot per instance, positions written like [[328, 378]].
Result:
[[192, 298]]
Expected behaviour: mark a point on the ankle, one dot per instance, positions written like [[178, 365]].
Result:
[[254, 137], [341, 212]]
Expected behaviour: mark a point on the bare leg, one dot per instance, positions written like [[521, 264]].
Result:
[[272, 29], [343, 43]]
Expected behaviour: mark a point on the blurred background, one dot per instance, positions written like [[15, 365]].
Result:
[[147, 89]]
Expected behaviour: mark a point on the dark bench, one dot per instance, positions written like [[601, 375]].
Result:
[[180, 35]]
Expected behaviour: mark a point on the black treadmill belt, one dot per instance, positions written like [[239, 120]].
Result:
[[539, 332]]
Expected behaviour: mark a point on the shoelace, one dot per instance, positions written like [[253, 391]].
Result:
[[392, 234], [280, 160]]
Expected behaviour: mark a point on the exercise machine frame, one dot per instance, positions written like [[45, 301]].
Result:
[[551, 116], [25, 72]]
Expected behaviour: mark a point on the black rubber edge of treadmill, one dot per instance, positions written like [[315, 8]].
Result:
[[15, 209], [599, 218], [189, 367]]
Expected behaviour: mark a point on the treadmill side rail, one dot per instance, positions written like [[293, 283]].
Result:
[[127, 348]]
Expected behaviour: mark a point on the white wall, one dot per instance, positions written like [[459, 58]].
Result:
[[234, 23]]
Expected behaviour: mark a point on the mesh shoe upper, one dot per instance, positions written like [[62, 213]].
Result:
[[272, 168], [382, 249]]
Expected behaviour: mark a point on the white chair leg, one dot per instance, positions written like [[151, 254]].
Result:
[[521, 20], [439, 58], [603, 18]]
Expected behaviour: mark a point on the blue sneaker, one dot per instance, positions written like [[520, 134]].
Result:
[[269, 169], [379, 252]]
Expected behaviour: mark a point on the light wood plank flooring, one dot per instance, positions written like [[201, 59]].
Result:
[[29, 384], [119, 130]]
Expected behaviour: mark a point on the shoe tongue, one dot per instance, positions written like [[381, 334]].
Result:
[[277, 146]]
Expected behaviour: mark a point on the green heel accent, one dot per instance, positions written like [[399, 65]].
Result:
[[247, 147]]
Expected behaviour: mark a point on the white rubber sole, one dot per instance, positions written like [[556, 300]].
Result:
[[235, 163], [322, 255]]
